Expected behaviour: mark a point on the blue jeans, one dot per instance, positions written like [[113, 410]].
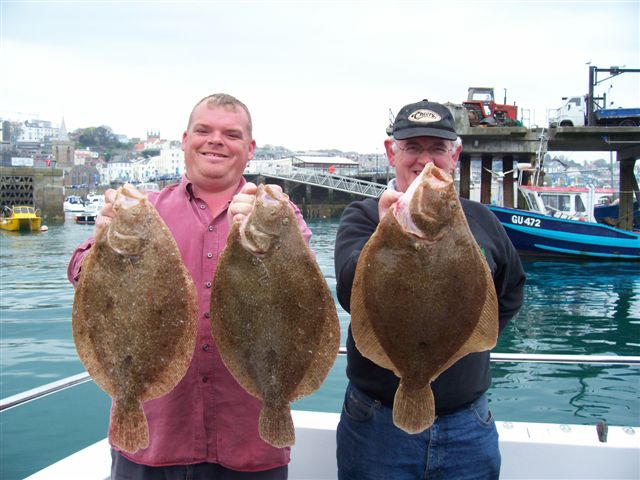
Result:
[[462, 445]]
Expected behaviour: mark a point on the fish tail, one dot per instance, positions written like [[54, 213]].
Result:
[[413, 410], [276, 425], [129, 430]]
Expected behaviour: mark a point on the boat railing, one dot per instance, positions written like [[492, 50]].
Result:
[[80, 378]]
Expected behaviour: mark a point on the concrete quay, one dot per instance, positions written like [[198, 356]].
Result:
[[40, 187]]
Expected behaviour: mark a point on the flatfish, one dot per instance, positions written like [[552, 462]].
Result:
[[423, 295], [272, 314], [134, 314]]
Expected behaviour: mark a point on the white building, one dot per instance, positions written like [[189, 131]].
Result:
[[143, 169], [103, 172], [37, 131], [169, 162], [80, 157], [316, 163], [120, 170], [326, 164], [281, 166]]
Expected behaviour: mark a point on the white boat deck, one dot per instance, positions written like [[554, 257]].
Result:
[[529, 451]]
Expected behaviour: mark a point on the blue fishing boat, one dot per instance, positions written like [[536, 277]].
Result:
[[534, 233]]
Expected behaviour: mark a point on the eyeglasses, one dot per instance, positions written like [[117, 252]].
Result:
[[435, 152]]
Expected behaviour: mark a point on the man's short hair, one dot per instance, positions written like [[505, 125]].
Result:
[[222, 100]]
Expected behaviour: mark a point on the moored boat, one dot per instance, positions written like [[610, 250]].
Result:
[[89, 214], [609, 214], [86, 218], [23, 218], [73, 204]]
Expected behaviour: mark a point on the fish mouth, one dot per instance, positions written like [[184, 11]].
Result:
[[269, 196], [257, 233], [255, 240], [128, 196]]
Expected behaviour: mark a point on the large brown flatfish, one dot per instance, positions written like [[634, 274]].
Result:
[[134, 314], [423, 295], [272, 313]]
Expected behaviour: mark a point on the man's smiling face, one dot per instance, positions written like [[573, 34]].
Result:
[[217, 146]]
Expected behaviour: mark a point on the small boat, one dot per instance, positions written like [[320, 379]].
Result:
[[609, 214], [73, 203], [95, 200], [533, 233], [86, 218], [89, 214], [23, 218]]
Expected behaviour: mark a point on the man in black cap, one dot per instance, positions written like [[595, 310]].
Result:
[[463, 441]]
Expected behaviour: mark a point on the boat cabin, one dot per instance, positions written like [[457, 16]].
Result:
[[574, 203], [73, 203]]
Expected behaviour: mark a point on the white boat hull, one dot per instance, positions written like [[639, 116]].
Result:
[[529, 451]]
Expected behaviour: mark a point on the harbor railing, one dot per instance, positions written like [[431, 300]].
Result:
[[68, 382]]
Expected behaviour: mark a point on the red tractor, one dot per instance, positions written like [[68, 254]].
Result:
[[484, 111]]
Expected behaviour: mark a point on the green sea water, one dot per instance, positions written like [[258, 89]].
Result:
[[570, 308]]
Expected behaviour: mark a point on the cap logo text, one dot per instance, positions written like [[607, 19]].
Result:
[[424, 116]]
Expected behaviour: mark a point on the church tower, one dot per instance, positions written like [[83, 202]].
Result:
[[62, 149]]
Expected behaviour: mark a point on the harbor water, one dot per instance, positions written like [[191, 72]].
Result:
[[570, 308]]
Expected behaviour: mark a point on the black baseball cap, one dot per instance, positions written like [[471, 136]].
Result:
[[423, 119]]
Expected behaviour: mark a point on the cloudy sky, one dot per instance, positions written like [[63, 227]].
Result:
[[315, 74]]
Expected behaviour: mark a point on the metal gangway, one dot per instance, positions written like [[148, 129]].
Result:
[[319, 179]]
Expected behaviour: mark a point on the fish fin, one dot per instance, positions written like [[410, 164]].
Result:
[[414, 410], [367, 342], [486, 332], [363, 333], [276, 425], [324, 358], [485, 335], [81, 331], [129, 430]]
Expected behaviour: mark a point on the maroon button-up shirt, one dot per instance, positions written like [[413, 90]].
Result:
[[208, 416]]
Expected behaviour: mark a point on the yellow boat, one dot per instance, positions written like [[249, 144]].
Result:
[[20, 218]]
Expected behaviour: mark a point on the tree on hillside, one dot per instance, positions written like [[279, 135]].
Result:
[[101, 137]]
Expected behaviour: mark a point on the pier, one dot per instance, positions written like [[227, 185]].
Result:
[[315, 178], [511, 144]]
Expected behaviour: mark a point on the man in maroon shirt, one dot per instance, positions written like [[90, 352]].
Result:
[[207, 426]]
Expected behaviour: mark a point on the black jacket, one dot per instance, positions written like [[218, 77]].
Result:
[[468, 378]]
